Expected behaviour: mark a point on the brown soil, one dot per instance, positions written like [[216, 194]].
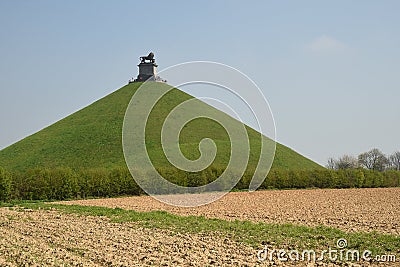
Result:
[[348, 209], [52, 238]]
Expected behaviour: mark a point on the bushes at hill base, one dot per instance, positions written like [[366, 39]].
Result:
[[65, 183], [358, 178], [5, 185]]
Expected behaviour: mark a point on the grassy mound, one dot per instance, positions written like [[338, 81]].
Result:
[[92, 138]]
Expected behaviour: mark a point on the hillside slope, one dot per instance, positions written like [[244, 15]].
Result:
[[92, 137]]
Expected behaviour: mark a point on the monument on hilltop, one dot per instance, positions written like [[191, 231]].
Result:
[[147, 70]]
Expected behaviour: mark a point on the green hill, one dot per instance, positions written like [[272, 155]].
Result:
[[92, 137]]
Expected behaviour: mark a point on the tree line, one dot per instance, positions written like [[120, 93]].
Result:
[[372, 160], [66, 183]]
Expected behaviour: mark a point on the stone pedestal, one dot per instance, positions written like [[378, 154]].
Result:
[[147, 71]]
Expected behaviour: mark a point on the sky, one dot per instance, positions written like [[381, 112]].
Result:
[[329, 70]]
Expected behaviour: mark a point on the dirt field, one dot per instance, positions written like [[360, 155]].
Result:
[[53, 238], [348, 209], [50, 238]]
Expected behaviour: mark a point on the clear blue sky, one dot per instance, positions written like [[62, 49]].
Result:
[[330, 70]]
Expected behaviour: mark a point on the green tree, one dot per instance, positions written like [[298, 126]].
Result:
[[69, 185], [5, 184], [360, 178]]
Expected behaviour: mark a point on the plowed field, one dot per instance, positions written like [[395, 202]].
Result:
[[367, 210], [54, 238]]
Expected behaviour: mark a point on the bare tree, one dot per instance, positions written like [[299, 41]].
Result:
[[331, 164], [347, 162], [373, 160], [344, 162], [394, 161]]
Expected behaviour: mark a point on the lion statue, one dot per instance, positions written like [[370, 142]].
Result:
[[150, 58]]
